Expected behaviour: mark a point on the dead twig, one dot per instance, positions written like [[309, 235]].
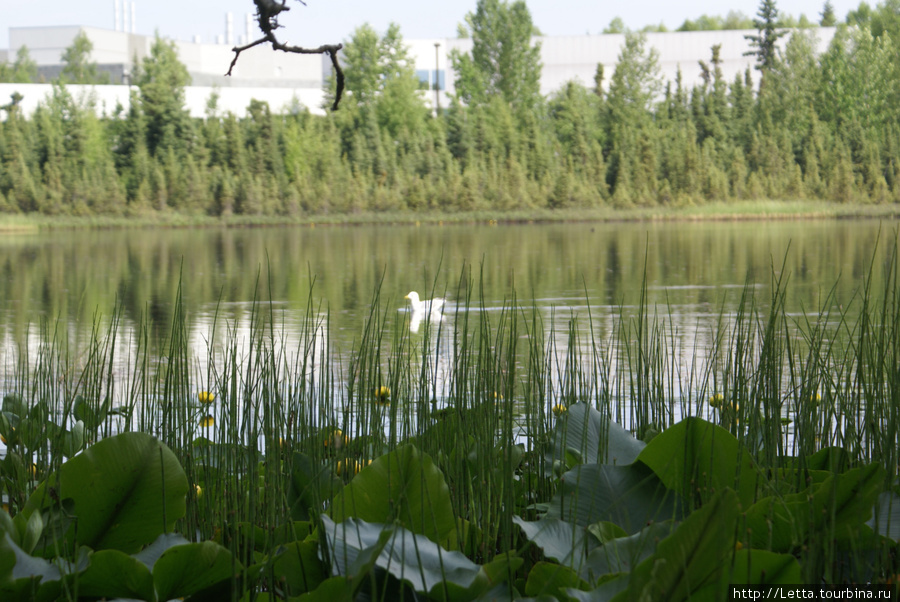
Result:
[[267, 12]]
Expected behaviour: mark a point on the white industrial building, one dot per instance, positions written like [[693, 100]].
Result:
[[284, 79]]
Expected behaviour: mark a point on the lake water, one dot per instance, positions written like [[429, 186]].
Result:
[[695, 272]]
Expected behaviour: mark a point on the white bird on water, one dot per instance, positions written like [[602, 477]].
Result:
[[431, 306]]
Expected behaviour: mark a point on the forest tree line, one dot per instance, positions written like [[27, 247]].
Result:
[[816, 126]]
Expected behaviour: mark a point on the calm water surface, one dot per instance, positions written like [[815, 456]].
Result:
[[695, 272]]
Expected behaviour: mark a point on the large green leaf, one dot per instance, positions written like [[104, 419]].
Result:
[[836, 505], [595, 438], [886, 518], [692, 557], [548, 578], [124, 491], [760, 567], [311, 485], [191, 568], [697, 459], [410, 558], [630, 496], [115, 574], [605, 592], [149, 555], [298, 567], [24, 577], [621, 555], [405, 486], [559, 540]]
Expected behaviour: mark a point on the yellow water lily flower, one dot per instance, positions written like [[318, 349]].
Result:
[[337, 439], [206, 397], [207, 421], [717, 400], [559, 409], [198, 490], [12, 435], [348, 466], [383, 395]]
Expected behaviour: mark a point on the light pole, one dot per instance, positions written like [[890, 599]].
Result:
[[437, 81]]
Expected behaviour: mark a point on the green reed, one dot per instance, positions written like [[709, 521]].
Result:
[[479, 392]]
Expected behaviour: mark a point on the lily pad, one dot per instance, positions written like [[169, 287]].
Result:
[[692, 557], [630, 496], [403, 485], [698, 459], [124, 490], [355, 545], [593, 437]]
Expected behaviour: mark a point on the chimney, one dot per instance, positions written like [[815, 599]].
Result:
[[133, 29], [248, 26], [116, 15], [229, 29]]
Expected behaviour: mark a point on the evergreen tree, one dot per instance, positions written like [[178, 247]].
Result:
[[399, 105], [379, 73], [636, 83], [161, 80], [828, 17], [78, 69], [503, 61], [765, 42], [22, 71]]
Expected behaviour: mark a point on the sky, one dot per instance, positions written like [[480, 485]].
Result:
[[332, 21]]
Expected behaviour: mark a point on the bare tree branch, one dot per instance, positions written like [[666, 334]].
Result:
[[267, 12]]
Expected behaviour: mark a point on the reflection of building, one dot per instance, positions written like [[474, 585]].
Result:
[[278, 77]]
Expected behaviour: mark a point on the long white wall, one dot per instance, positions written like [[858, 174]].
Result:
[[231, 100], [278, 77]]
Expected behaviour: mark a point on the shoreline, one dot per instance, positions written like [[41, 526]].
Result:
[[742, 211]]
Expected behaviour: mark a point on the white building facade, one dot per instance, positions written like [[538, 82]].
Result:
[[287, 81]]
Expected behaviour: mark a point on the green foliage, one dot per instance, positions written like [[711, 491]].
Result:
[[698, 459], [606, 517], [765, 42], [829, 19], [358, 547], [617, 25], [504, 62], [22, 71], [141, 496], [77, 67], [161, 79], [733, 20], [405, 486], [691, 557], [818, 127]]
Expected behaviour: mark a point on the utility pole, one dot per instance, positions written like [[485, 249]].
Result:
[[437, 81]]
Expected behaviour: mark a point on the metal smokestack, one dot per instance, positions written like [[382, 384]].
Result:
[[229, 29], [133, 29], [116, 15]]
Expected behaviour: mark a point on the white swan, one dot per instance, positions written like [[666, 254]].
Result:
[[432, 306]]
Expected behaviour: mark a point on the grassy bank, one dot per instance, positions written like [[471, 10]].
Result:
[[746, 210]]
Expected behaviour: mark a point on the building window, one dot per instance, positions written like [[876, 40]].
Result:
[[427, 77]]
